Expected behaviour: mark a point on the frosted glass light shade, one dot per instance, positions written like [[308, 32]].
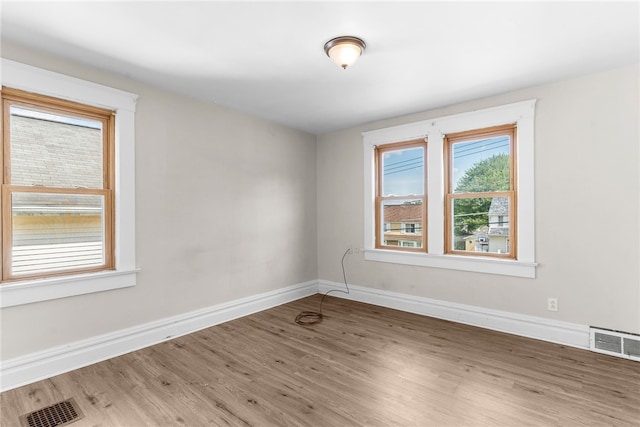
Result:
[[344, 51]]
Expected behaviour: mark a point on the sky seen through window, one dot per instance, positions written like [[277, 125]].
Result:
[[403, 170]]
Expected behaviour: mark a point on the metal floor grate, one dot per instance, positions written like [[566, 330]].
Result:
[[56, 415]]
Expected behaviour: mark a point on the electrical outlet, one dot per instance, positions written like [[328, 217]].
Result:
[[354, 249], [552, 304]]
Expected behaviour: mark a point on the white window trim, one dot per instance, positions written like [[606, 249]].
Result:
[[37, 80], [521, 113]]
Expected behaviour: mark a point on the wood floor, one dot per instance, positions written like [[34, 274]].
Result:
[[362, 366]]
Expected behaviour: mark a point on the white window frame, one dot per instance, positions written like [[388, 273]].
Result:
[[36, 80], [520, 113]]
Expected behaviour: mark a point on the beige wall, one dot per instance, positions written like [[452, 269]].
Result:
[[228, 206], [225, 209], [587, 209]]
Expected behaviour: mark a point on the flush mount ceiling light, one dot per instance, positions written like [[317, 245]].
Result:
[[344, 50]]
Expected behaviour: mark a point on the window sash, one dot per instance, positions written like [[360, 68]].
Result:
[[105, 131], [451, 195], [449, 224], [38, 102], [380, 199], [8, 229]]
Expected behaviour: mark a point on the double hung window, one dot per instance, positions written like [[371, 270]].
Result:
[[480, 188], [68, 186], [57, 189], [401, 196], [453, 192]]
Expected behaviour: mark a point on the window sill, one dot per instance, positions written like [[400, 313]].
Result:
[[36, 290], [455, 262]]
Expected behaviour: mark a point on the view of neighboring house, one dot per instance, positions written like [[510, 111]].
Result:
[[49, 229], [402, 225], [494, 237]]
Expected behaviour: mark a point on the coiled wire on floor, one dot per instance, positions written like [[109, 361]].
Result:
[[306, 318]]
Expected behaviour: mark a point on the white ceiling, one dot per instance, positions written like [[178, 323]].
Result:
[[267, 59]]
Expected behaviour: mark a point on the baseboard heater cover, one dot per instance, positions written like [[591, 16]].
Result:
[[615, 343]]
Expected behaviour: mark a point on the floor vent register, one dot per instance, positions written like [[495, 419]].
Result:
[[56, 415], [615, 343]]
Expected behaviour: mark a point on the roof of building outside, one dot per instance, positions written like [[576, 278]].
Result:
[[499, 206], [53, 154], [410, 213]]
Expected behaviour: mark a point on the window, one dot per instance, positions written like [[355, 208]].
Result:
[[104, 204], [480, 190], [409, 228], [401, 195], [57, 190], [462, 225]]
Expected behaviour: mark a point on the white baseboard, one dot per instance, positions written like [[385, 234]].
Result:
[[569, 334], [45, 364]]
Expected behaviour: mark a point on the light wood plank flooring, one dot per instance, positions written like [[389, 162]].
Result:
[[362, 366]]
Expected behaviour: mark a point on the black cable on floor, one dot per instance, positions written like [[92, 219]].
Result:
[[306, 318]]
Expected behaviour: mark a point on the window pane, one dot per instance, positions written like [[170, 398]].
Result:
[[481, 225], [402, 223], [481, 165], [54, 150], [54, 232], [403, 172]]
